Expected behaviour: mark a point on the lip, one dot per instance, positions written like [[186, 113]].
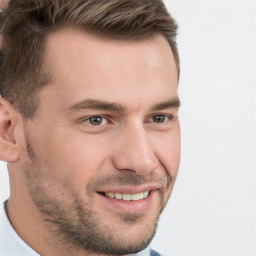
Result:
[[138, 206]]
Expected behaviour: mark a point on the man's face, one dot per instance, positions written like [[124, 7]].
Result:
[[104, 147]]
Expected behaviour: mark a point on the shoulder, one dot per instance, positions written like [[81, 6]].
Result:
[[149, 252], [155, 253]]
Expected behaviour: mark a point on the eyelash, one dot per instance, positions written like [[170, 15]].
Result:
[[91, 117], [167, 117]]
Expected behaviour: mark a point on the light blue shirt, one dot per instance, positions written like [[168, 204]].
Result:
[[10, 242], [12, 245]]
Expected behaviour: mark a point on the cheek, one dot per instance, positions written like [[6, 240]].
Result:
[[81, 157], [168, 152]]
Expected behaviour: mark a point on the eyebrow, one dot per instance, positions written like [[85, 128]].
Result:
[[172, 103], [118, 108], [98, 105]]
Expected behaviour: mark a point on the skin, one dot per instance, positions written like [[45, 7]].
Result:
[[62, 161], [3, 4]]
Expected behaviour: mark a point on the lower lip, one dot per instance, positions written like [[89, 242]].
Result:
[[129, 206]]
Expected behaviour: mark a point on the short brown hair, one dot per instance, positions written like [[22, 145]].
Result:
[[25, 25]]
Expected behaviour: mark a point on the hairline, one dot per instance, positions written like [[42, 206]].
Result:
[[99, 35], [46, 70]]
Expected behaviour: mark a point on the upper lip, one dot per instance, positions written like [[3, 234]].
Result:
[[129, 189]]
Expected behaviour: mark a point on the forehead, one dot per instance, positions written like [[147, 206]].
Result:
[[86, 65]]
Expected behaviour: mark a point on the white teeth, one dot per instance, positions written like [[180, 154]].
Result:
[[145, 194], [128, 197], [137, 196], [111, 195], [118, 195]]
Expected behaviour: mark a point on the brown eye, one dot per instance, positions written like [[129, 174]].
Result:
[[96, 120], [159, 118]]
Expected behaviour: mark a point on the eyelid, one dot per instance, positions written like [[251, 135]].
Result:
[[169, 116], [87, 119], [108, 120]]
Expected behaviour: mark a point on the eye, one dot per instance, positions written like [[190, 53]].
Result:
[[96, 120], [160, 118]]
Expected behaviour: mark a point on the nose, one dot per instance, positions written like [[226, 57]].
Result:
[[134, 152]]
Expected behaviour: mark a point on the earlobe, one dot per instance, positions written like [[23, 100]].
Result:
[[8, 120]]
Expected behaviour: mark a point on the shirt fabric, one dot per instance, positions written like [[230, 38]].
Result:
[[12, 245]]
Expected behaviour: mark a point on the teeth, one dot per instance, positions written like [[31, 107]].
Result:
[[145, 194], [111, 195], [118, 195], [137, 196], [128, 197]]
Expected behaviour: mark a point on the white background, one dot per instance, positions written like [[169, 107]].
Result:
[[213, 206]]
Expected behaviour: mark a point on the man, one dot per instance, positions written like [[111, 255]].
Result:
[[88, 125]]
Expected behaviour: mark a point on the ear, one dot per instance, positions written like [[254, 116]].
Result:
[[8, 120]]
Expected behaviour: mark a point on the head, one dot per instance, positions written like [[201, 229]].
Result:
[[89, 117], [25, 26]]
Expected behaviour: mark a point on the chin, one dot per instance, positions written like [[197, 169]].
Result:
[[127, 241]]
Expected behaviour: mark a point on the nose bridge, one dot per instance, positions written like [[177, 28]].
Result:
[[134, 151]]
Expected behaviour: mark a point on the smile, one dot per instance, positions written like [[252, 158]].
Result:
[[127, 197]]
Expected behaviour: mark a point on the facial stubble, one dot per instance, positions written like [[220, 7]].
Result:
[[72, 220]]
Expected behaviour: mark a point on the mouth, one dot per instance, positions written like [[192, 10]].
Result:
[[127, 197]]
